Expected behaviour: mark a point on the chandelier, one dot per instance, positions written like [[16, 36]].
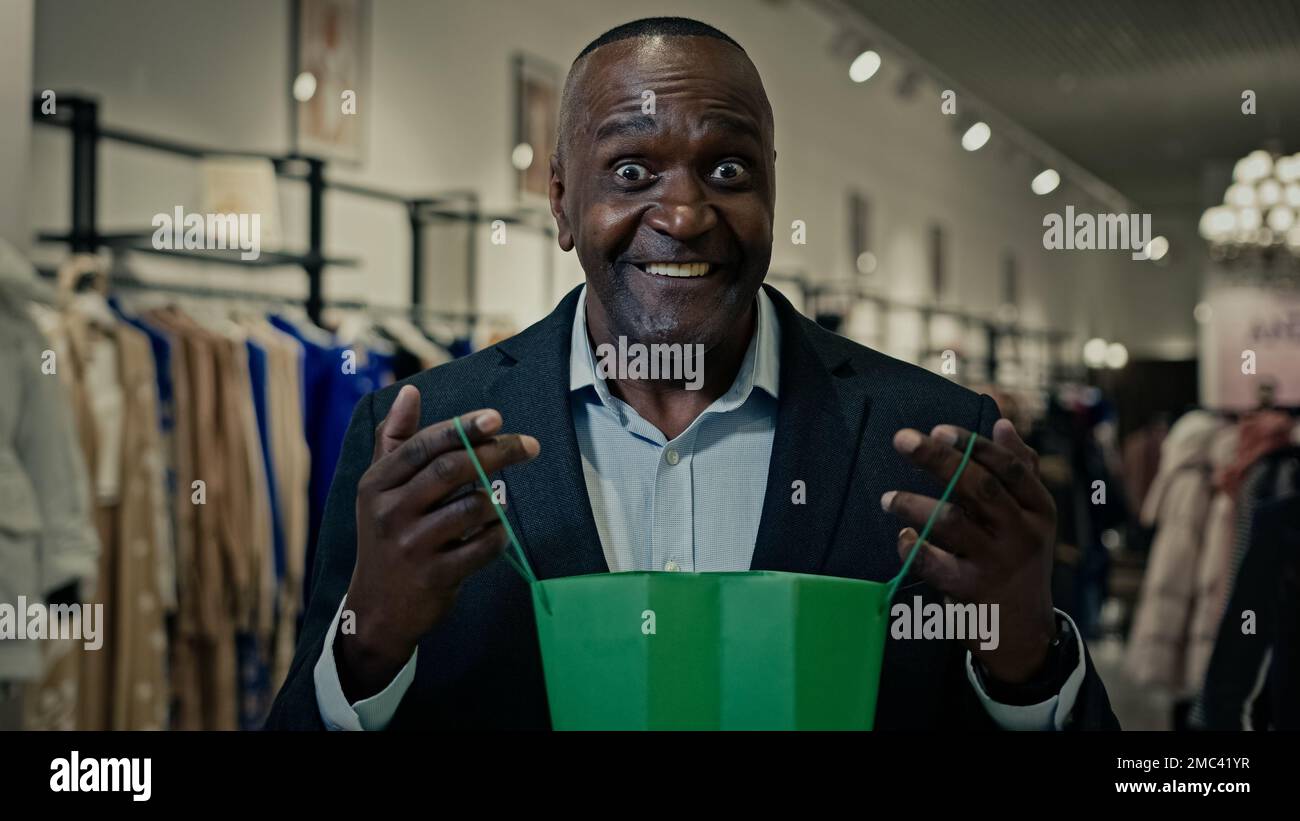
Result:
[[1260, 210]]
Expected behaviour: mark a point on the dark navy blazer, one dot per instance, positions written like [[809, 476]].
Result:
[[840, 405]]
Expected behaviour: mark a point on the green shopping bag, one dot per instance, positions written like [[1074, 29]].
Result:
[[695, 651]]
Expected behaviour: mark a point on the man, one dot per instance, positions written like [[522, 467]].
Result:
[[670, 208]]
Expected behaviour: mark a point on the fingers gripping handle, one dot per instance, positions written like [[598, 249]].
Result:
[[929, 523], [518, 560]]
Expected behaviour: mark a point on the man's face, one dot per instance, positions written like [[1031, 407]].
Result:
[[670, 211]]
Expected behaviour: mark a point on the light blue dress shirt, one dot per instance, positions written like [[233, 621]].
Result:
[[693, 503], [690, 504]]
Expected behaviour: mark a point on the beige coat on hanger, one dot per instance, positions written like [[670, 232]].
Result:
[[123, 685]]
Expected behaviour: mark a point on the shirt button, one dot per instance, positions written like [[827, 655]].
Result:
[[671, 566], [672, 456]]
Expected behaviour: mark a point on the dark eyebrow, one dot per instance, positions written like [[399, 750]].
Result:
[[635, 126], [742, 126]]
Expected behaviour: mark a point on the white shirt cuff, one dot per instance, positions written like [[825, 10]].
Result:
[[370, 714], [1048, 715]]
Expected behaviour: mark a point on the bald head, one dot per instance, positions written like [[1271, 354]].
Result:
[[653, 34], [656, 27]]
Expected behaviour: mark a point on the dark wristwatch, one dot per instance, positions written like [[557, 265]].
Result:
[[1062, 660]]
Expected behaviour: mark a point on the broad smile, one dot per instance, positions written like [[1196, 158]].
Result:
[[676, 270]]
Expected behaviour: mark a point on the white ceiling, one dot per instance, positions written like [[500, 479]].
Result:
[[1142, 93]]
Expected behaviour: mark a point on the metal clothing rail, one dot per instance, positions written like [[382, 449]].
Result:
[[80, 115], [415, 312], [995, 329]]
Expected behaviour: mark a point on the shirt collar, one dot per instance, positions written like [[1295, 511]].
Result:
[[760, 368]]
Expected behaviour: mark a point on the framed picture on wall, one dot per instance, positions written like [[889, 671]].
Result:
[[537, 112], [330, 68]]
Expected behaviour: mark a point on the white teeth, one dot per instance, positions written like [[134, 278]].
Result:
[[691, 269]]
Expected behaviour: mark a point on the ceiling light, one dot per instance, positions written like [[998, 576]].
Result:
[[1270, 193], [1241, 195], [1281, 219], [1116, 355], [1249, 220], [1253, 167], [304, 87], [1157, 248], [522, 157], [1045, 182], [1094, 352], [864, 66], [1287, 169], [976, 136], [1218, 224]]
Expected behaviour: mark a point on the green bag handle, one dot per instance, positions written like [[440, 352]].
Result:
[[519, 561], [929, 523]]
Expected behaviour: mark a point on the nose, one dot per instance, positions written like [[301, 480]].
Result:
[[682, 211]]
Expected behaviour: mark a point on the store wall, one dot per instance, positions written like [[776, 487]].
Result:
[[16, 20], [439, 109]]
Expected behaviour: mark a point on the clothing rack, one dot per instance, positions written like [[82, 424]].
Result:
[[80, 116], [816, 293], [414, 312]]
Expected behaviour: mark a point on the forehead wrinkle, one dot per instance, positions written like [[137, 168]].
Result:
[[705, 115], [715, 91], [709, 110]]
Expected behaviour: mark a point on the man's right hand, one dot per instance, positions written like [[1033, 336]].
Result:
[[423, 527]]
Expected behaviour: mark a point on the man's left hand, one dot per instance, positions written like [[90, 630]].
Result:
[[993, 541]]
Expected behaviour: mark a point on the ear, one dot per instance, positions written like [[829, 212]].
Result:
[[564, 230]]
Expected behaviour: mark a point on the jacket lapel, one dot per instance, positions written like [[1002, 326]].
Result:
[[820, 419], [546, 499]]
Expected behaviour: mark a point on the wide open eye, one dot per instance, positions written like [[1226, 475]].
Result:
[[632, 172], [729, 170]]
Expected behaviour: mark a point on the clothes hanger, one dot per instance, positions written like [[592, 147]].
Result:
[[80, 273], [83, 287]]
